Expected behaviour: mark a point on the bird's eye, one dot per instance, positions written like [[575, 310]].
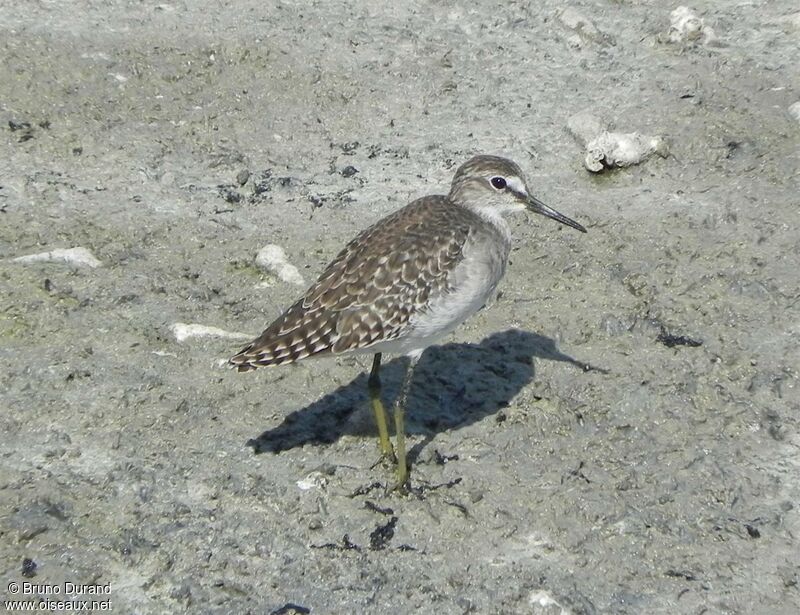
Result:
[[499, 183]]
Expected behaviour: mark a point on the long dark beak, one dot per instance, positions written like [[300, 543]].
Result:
[[536, 205]]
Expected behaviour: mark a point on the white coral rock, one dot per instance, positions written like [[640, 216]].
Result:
[[80, 257], [617, 149], [183, 331], [686, 26], [272, 258]]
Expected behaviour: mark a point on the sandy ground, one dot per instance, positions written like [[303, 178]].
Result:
[[175, 139]]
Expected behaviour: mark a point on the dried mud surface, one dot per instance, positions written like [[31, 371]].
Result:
[[176, 139]]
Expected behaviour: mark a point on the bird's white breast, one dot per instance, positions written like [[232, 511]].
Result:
[[472, 283]]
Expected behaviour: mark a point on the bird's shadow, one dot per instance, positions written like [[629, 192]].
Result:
[[454, 385]]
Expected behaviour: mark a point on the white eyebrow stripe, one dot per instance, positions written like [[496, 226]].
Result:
[[515, 183]]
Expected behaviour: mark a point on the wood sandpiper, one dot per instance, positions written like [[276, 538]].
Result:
[[405, 282]]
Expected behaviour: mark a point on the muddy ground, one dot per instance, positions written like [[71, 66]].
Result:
[[174, 140]]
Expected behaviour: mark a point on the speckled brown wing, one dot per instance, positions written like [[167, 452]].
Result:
[[372, 288]]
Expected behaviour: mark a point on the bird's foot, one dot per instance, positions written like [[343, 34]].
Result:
[[400, 487], [387, 460], [390, 461], [402, 483]]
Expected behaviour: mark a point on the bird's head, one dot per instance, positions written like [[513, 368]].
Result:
[[495, 185]]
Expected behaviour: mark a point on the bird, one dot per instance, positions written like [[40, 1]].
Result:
[[405, 282]]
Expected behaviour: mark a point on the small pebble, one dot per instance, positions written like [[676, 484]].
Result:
[[546, 603], [314, 480], [315, 524], [794, 110], [584, 28]]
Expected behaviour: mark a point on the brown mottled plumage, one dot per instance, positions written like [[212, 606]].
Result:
[[406, 281], [372, 288]]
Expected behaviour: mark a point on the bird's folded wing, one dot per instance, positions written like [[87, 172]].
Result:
[[372, 289]]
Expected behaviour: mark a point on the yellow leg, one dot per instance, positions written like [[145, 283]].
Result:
[[377, 406], [400, 442], [399, 427]]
